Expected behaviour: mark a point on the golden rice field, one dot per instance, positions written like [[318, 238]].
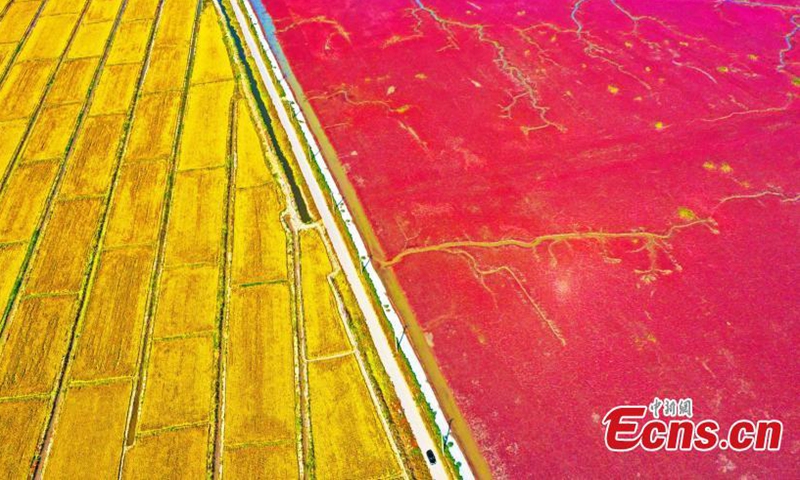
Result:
[[165, 311]]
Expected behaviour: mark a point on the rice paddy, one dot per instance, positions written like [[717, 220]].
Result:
[[165, 310]]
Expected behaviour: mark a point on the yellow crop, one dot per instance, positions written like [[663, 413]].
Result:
[[259, 252], [130, 43], [63, 6], [324, 330], [187, 300], [51, 132], [141, 10], [102, 10], [180, 382], [61, 259], [37, 341], [165, 454], [135, 216], [11, 257], [260, 387], [194, 234], [181, 15], [344, 423], [251, 166], [90, 40], [49, 38], [90, 430], [153, 132], [72, 81], [115, 90], [11, 134], [21, 424], [112, 326], [16, 20], [23, 88], [167, 69], [211, 56], [24, 199], [261, 462], [206, 126], [95, 153]]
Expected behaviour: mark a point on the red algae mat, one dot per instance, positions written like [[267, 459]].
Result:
[[586, 203]]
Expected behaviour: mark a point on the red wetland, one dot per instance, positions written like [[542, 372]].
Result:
[[586, 204]]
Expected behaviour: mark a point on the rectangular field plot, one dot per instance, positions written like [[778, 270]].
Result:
[[11, 134], [112, 326], [135, 216], [154, 125], [325, 333], [261, 462], [102, 11], [50, 134], [130, 43], [21, 425], [206, 126], [72, 81], [16, 21], [92, 161], [49, 37], [90, 40], [139, 10], [162, 455], [180, 383], [178, 30], [349, 440], [63, 254], [212, 61], [259, 251], [194, 234], [187, 300], [251, 166], [38, 336], [90, 431], [23, 202], [260, 386], [11, 258], [114, 92], [167, 69], [63, 6], [23, 88]]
